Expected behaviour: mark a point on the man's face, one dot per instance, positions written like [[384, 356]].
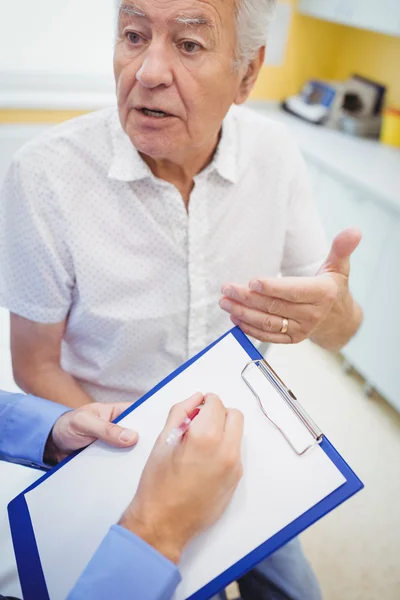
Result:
[[176, 57]]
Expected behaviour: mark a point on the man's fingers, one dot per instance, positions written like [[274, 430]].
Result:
[[92, 426], [262, 336], [304, 290], [260, 320], [297, 290], [273, 306]]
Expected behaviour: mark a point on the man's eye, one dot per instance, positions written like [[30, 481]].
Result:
[[133, 38], [191, 47]]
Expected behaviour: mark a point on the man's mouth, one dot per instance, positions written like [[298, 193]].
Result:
[[158, 114]]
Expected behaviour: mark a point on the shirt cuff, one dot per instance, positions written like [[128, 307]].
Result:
[[126, 567], [25, 425]]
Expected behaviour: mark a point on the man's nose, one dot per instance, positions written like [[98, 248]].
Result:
[[156, 68]]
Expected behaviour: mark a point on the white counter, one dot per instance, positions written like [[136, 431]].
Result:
[[370, 164]]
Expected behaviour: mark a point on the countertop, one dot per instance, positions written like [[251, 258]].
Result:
[[368, 163]]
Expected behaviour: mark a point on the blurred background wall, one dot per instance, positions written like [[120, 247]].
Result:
[[55, 56], [326, 50], [81, 38]]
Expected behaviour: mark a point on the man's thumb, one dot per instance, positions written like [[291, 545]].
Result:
[[344, 244]]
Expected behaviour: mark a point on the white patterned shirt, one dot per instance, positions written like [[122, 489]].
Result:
[[90, 235]]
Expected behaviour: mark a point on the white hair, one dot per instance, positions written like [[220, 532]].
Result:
[[253, 18]]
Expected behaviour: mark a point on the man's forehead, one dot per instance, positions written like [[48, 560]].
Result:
[[201, 12]]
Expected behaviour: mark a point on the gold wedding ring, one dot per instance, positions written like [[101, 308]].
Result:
[[285, 325]]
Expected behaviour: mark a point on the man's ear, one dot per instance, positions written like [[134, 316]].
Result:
[[250, 76]]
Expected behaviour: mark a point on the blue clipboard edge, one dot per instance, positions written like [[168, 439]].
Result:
[[30, 570]]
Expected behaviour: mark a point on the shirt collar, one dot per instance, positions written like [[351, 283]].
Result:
[[225, 161], [127, 165]]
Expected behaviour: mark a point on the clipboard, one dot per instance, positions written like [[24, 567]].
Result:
[[26, 524]]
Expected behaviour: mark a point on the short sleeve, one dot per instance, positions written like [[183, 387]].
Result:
[[36, 270], [305, 242]]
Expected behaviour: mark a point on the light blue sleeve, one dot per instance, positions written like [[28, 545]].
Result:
[[125, 567], [25, 424]]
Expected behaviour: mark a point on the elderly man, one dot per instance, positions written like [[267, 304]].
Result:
[[122, 226]]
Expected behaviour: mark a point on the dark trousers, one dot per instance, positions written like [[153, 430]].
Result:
[[285, 575]]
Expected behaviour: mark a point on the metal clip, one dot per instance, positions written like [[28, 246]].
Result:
[[291, 400]]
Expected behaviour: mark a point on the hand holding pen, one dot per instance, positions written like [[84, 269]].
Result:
[[176, 434], [189, 480]]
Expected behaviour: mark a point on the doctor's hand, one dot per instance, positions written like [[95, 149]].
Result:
[[290, 309], [184, 489], [78, 428]]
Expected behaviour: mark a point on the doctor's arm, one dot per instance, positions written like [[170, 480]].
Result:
[[182, 492], [40, 433]]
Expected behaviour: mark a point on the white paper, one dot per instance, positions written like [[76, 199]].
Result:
[[73, 509]]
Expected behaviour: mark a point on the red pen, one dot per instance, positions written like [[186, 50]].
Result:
[[177, 433]]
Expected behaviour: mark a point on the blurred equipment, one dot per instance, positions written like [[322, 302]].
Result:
[[354, 106], [361, 126], [390, 133], [314, 103]]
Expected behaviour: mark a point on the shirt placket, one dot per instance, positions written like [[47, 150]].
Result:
[[197, 273], [179, 227], [178, 218]]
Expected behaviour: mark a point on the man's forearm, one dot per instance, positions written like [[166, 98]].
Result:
[[53, 383], [339, 327]]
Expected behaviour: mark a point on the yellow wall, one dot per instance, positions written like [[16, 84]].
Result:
[[316, 49], [311, 46], [326, 50], [372, 55], [38, 116]]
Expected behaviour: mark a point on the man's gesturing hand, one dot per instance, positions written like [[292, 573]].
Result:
[[312, 305], [78, 428]]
